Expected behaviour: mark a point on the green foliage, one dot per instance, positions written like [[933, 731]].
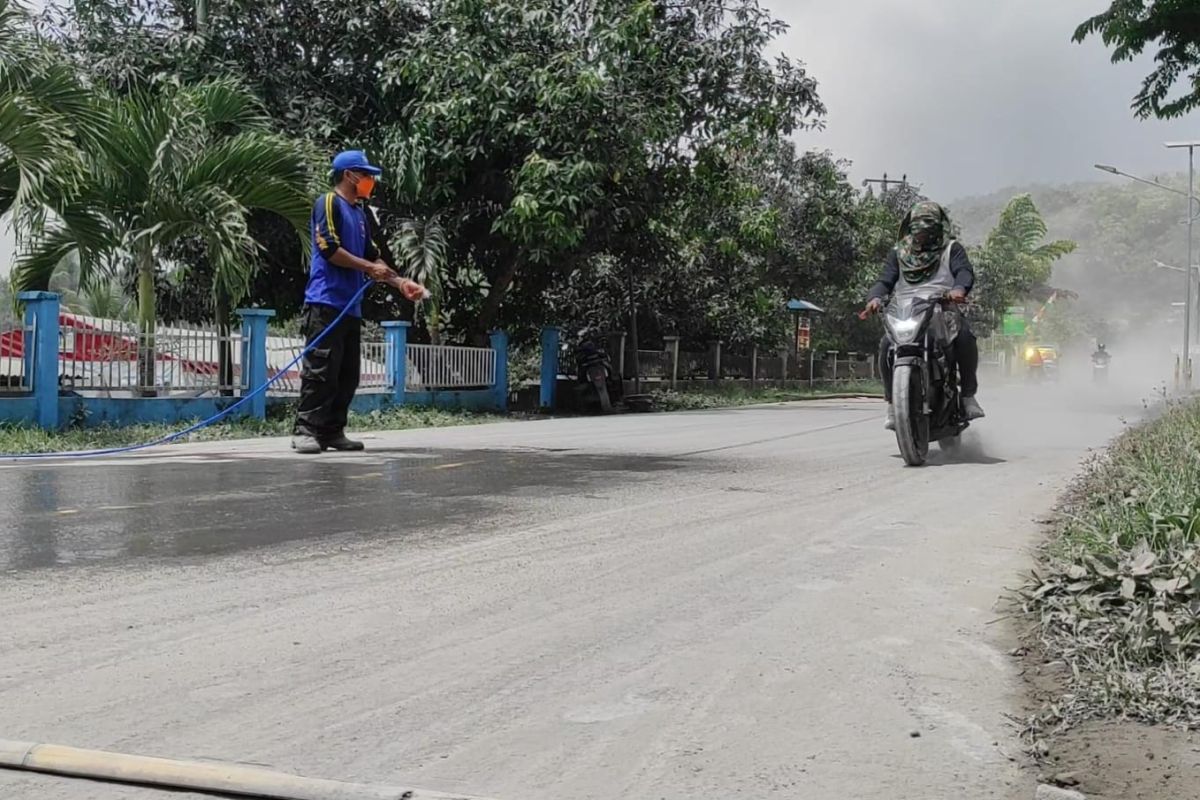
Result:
[[45, 115], [170, 163], [1173, 26], [1015, 260], [1117, 594], [1121, 229], [15, 439], [554, 131], [670, 400]]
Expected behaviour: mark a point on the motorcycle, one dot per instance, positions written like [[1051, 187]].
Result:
[[925, 388], [596, 383], [1100, 368]]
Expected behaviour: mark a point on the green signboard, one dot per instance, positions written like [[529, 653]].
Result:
[[1014, 322]]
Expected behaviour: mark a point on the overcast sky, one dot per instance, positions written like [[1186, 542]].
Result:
[[967, 96], [970, 96]]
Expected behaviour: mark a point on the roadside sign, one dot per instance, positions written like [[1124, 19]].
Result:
[[1014, 321]]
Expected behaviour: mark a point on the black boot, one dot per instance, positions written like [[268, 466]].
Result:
[[342, 444]]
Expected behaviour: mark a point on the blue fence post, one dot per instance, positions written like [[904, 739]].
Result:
[[395, 333], [500, 388], [254, 355], [551, 341], [41, 355]]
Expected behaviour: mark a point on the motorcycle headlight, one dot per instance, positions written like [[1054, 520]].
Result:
[[904, 329], [1030, 353]]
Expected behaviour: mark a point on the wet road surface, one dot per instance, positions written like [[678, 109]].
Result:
[[737, 604], [119, 513]]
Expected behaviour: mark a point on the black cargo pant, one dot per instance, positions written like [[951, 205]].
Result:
[[966, 355], [330, 374]]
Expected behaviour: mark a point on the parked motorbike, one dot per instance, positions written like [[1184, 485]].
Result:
[[925, 387], [596, 383]]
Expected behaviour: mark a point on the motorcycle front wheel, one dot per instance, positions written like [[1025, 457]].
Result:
[[912, 426]]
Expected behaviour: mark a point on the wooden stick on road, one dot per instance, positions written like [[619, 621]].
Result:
[[201, 776]]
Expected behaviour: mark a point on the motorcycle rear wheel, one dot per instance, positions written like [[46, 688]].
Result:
[[912, 426]]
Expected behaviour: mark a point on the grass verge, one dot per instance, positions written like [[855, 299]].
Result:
[[667, 400], [1116, 597], [18, 440]]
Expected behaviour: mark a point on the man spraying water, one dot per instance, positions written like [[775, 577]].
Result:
[[344, 258]]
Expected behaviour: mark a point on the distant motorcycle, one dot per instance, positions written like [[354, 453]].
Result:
[[1100, 360], [596, 383]]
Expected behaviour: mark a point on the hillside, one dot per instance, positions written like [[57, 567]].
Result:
[[1121, 228]]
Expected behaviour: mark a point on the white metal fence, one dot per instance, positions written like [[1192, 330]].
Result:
[[13, 348], [281, 351], [447, 367], [103, 357], [100, 356]]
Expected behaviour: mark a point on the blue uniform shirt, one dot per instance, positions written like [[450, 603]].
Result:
[[337, 223]]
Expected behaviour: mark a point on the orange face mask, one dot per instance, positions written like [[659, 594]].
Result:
[[365, 187]]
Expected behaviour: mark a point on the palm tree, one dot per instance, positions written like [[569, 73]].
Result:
[[45, 115], [1015, 262], [171, 163]]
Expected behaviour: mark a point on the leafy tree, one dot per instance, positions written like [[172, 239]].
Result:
[[550, 129], [1173, 26], [168, 164], [1014, 262], [314, 64], [45, 115]]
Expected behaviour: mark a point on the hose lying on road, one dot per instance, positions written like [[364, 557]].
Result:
[[203, 776], [220, 415]]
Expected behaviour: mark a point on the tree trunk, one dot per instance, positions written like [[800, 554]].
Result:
[[491, 306], [146, 315], [224, 345]]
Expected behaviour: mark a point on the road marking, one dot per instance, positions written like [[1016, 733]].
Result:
[[457, 464], [364, 476], [66, 511], [115, 508]]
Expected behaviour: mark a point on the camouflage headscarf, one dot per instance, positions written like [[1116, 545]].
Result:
[[924, 234]]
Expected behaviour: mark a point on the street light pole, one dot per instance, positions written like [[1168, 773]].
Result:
[[1185, 365]]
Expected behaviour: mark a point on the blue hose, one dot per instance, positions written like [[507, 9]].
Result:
[[172, 437]]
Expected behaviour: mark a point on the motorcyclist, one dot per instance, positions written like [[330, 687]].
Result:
[[927, 253], [1101, 356]]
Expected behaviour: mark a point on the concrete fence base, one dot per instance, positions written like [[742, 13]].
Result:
[[203, 776]]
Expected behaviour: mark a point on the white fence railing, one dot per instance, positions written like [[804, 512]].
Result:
[[13, 349], [100, 356], [432, 367], [282, 351]]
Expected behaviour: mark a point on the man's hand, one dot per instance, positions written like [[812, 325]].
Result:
[[381, 272], [958, 295], [874, 306], [411, 290]]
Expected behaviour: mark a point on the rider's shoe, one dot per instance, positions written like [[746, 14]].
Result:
[[890, 424], [972, 408]]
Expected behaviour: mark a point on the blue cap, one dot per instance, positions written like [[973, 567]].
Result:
[[355, 160]]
